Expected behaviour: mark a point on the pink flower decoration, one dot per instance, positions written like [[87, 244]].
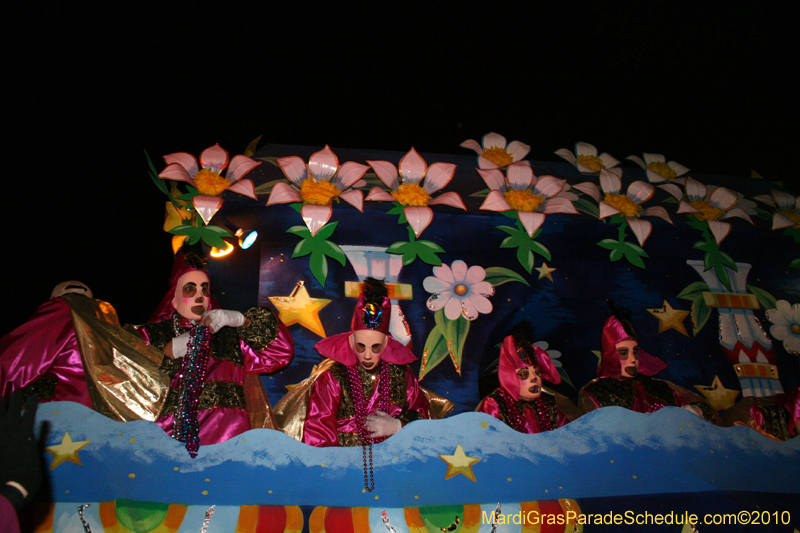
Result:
[[586, 159], [493, 152], [206, 177], [628, 205], [712, 206], [658, 169], [786, 206], [317, 185], [519, 190], [404, 184], [460, 290]]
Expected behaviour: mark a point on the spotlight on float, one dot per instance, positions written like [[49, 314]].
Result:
[[221, 252], [246, 238]]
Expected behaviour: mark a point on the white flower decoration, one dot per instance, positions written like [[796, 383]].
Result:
[[586, 159], [493, 152], [711, 206], [786, 325], [628, 205], [786, 206], [531, 197], [658, 169], [460, 290], [553, 354]]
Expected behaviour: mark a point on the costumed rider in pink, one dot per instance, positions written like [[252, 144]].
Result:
[[369, 393], [43, 356], [520, 402], [624, 376], [777, 417], [210, 352]]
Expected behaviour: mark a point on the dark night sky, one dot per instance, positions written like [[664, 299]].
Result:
[[90, 89]]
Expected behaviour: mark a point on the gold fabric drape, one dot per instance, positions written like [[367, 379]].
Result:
[[122, 371]]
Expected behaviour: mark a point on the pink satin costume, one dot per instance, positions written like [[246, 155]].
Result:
[[497, 404], [331, 418], [222, 413], [641, 393], [43, 354]]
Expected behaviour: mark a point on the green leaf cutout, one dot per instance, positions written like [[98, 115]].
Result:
[[498, 276]]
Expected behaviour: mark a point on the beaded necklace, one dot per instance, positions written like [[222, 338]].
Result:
[[362, 410], [191, 377], [515, 418]]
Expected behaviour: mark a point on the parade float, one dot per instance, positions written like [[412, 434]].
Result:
[[709, 265]]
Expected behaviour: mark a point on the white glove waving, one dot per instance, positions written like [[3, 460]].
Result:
[[382, 425], [179, 345], [216, 319]]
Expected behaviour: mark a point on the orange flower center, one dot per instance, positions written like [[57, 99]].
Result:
[[498, 156], [411, 194], [707, 211], [460, 289], [659, 167], [211, 183], [795, 329], [318, 192], [794, 216], [623, 204], [523, 200], [592, 162]]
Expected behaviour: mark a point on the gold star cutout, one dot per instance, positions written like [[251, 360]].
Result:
[[459, 463], [669, 318], [66, 451], [300, 308], [545, 271], [717, 395]]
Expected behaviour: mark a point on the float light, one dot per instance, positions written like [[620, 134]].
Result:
[[246, 238], [216, 252]]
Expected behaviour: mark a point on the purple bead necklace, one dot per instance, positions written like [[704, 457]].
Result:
[[191, 378], [362, 411]]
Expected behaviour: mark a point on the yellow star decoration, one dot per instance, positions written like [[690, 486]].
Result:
[[66, 451], [459, 463], [669, 318], [717, 395], [545, 271], [300, 308]]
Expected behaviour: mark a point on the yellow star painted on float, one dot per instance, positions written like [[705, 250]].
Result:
[[545, 271], [459, 463], [66, 451], [300, 308], [669, 318], [717, 395]]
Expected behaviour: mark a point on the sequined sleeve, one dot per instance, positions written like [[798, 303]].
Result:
[[266, 343]]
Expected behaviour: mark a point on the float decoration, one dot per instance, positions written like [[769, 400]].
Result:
[[706, 210], [626, 211], [319, 248], [658, 170], [586, 160], [404, 183], [411, 249], [314, 187], [459, 294], [205, 184], [494, 152], [785, 319], [785, 216]]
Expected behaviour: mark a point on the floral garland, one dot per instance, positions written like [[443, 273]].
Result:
[[362, 410], [191, 378]]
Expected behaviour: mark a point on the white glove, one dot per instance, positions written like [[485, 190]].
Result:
[[382, 425], [216, 319], [179, 345]]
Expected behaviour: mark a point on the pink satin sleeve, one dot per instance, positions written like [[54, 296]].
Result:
[[323, 406], [417, 401], [562, 420], [44, 345], [490, 407], [8, 517], [277, 355]]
